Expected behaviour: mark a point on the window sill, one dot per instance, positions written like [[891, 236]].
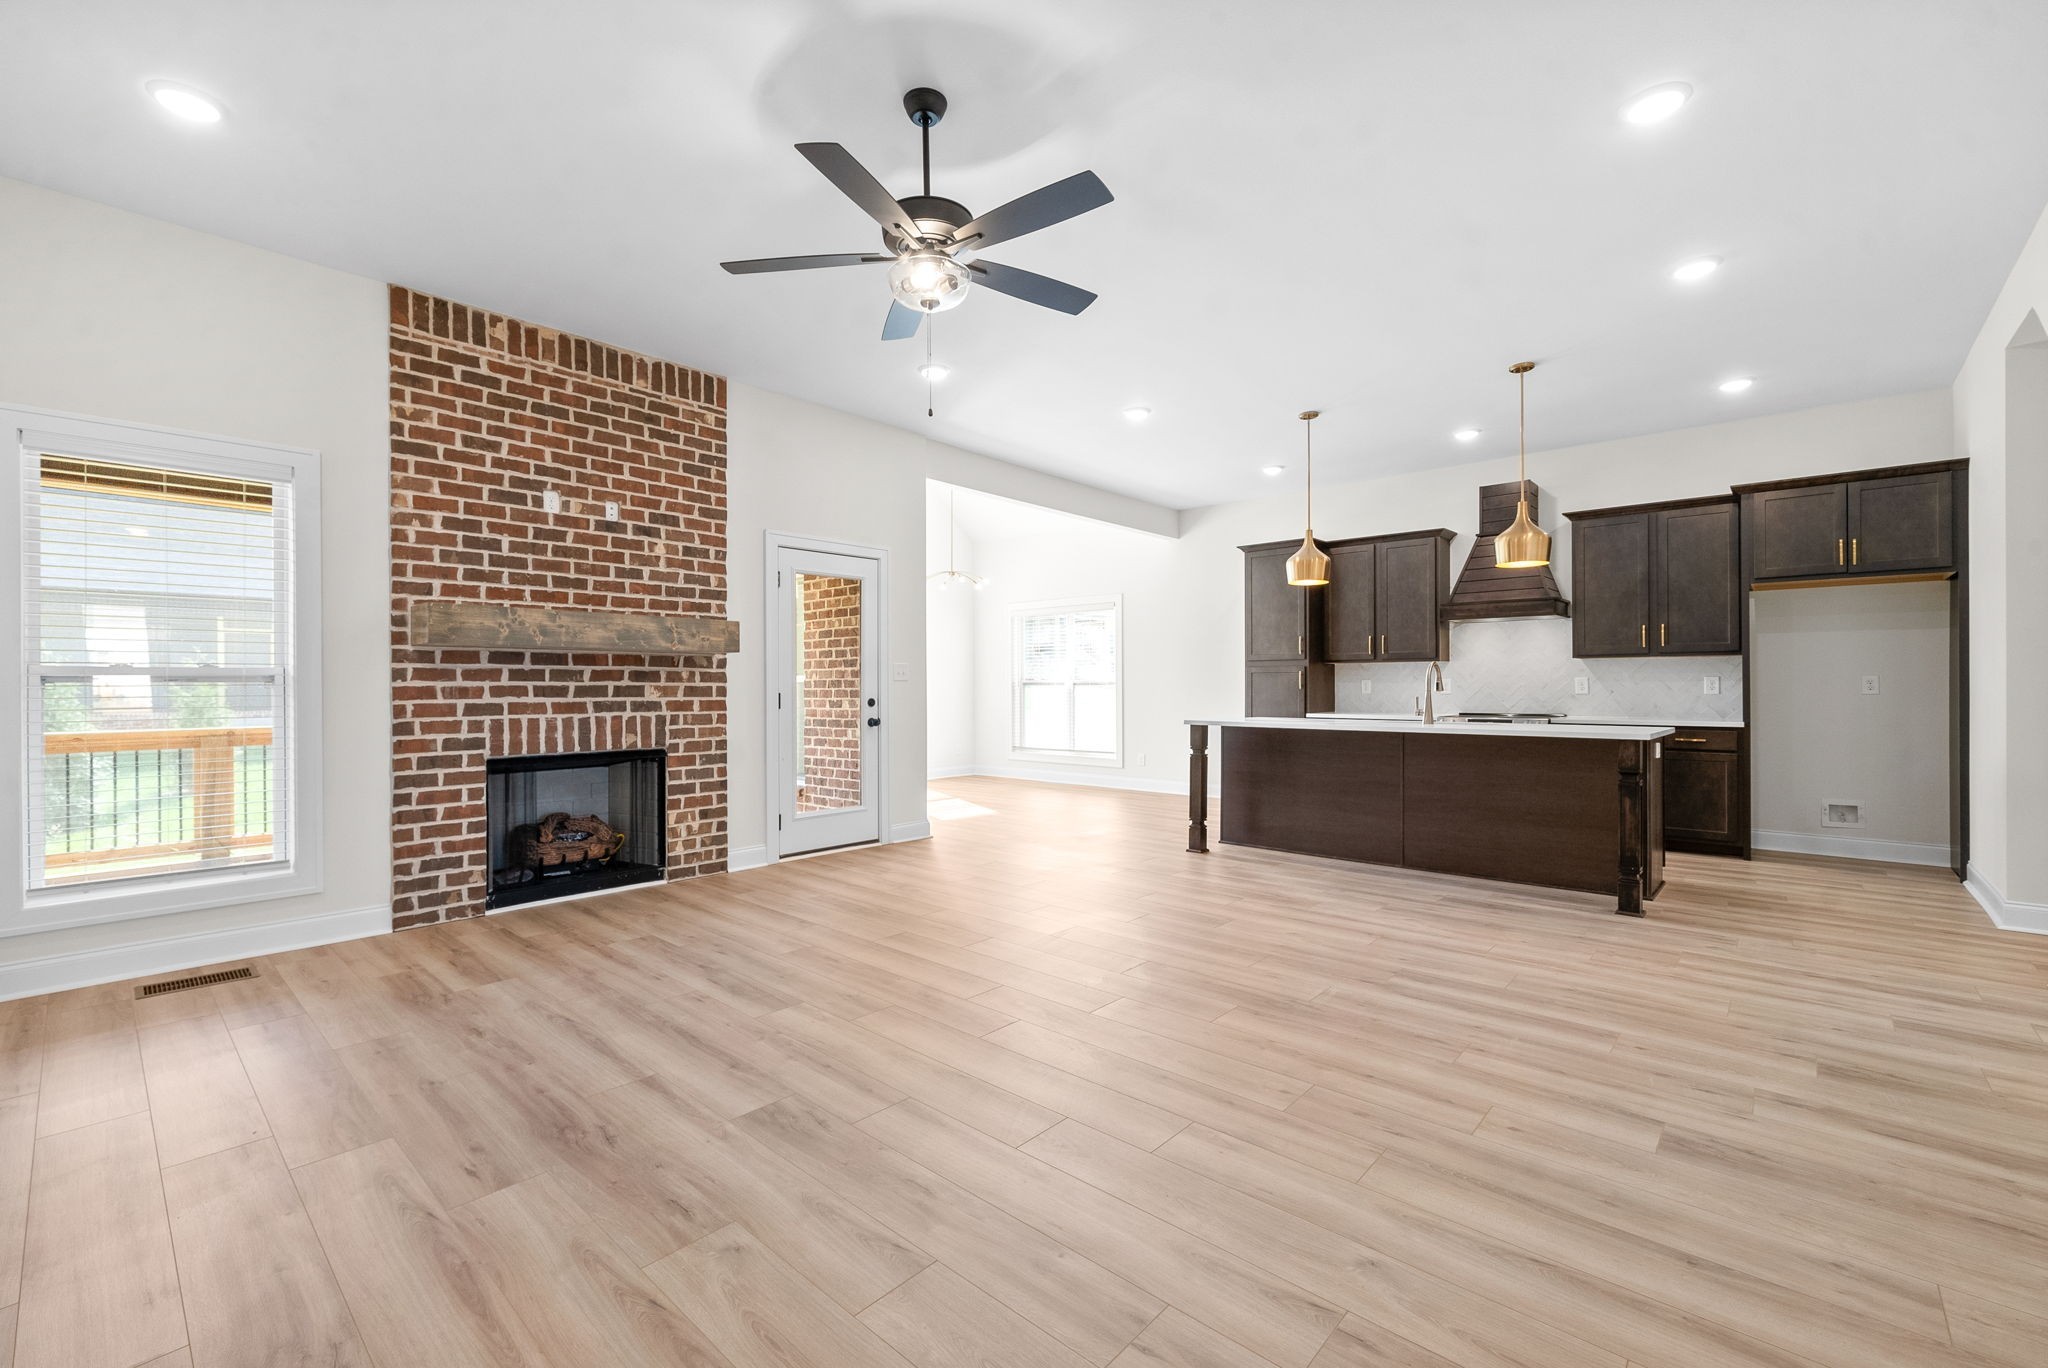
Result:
[[1050, 757], [51, 909]]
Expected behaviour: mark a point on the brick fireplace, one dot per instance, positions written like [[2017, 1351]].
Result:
[[508, 443]]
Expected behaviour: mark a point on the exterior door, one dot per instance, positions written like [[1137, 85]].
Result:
[[827, 699]]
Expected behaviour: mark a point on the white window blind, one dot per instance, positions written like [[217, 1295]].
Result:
[[157, 622], [1065, 687]]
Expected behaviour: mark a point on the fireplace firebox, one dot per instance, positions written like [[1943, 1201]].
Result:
[[562, 825]]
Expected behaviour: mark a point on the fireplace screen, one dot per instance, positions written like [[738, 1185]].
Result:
[[567, 824]]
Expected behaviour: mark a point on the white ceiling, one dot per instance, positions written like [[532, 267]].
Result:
[[1367, 206]]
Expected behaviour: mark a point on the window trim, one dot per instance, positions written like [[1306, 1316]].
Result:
[[45, 909], [1039, 607]]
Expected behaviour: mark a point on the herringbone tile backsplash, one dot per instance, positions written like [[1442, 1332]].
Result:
[[1526, 665]]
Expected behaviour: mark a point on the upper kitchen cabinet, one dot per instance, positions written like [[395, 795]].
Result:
[[1385, 597], [1657, 579], [1834, 527], [1282, 623]]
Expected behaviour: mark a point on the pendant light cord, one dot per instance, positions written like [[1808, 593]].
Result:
[[1522, 431], [1308, 437]]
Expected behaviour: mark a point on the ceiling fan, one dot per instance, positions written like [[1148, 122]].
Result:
[[925, 236]]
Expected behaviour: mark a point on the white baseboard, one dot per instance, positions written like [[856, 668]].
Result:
[[745, 857], [112, 963], [910, 831], [1853, 847], [1086, 778], [949, 771], [2004, 914]]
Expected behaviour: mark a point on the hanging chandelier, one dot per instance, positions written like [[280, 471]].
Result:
[[952, 574], [1524, 546], [1309, 567]]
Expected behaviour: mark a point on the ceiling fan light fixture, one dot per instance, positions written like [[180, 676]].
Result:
[[928, 281], [934, 371], [1658, 103]]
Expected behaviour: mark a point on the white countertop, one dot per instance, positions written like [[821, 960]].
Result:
[[1555, 731], [1570, 720]]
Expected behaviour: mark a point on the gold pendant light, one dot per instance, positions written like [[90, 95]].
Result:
[[1309, 567], [1524, 546]]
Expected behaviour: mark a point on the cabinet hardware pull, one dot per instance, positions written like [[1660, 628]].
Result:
[[1298, 674], [1663, 634], [1853, 554], [1838, 552], [1643, 637], [1383, 643], [1701, 740]]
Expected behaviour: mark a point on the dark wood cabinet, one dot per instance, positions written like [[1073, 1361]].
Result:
[[1610, 585], [1900, 521], [1386, 596], [1696, 578], [1706, 791], [1278, 617], [1351, 620], [1288, 690], [1657, 579]]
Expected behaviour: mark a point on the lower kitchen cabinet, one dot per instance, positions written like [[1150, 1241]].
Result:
[[1706, 791], [1288, 690]]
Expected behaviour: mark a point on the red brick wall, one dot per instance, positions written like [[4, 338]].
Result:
[[830, 612], [487, 414]]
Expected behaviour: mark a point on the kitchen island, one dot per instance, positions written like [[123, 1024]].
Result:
[[1553, 804]]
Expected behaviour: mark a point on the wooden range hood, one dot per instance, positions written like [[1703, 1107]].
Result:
[[1484, 590]]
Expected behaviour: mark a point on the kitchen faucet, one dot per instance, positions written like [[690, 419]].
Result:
[[1426, 705]]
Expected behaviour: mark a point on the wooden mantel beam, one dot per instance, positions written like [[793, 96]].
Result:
[[462, 624]]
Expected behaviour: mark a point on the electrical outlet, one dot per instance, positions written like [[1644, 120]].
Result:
[[1581, 685], [551, 501], [611, 510], [1141, 759], [1365, 686], [900, 673], [1870, 684], [1710, 684]]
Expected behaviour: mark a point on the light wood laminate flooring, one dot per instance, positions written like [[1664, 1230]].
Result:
[[1046, 1092]]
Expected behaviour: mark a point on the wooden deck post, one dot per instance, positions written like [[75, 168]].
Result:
[[1198, 789]]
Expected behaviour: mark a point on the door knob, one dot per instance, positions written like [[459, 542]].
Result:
[[874, 721]]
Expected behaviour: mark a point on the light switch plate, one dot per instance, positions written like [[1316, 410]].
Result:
[[1580, 684], [900, 672], [551, 501], [1710, 684]]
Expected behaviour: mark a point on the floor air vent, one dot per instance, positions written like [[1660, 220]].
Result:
[[150, 990]]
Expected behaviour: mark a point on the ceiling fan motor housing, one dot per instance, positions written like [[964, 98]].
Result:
[[935, 216], [924, 105]]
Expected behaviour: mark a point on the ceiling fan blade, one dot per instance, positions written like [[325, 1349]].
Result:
[[860, 186], [802, 263], [1031, 287], [1042, 208], [902, 323]]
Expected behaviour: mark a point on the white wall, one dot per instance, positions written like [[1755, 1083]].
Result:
[[1183, 599], [111, 315], [949, 641], [1819, 738], [2009, 655], [801, 468]]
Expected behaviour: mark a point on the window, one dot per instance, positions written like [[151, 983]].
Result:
[[164, 584], [1065, 692]]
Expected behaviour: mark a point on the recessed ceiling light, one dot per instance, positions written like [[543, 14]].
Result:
[[1272, 470], [934, 371], [1736, 385], [1465, 435], [1657, 104], [1699, 268], [185, 102], [1137, 413]]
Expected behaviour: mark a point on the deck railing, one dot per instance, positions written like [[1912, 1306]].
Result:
[[128, 802]]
